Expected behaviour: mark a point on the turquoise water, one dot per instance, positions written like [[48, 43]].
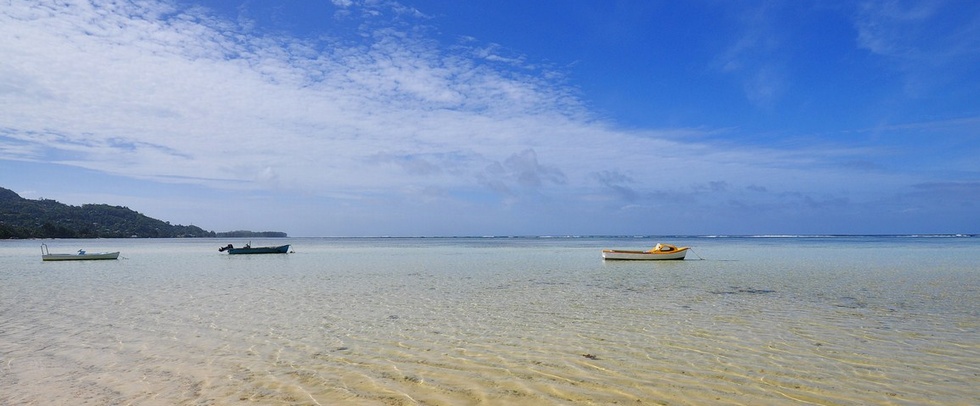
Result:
[[455, 321]]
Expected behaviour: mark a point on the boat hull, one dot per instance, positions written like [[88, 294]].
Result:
[[644, 255], [281, 249], [80, 257]]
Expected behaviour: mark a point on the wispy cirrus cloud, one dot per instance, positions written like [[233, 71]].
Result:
[[922, 38], [754, 56], [178, 94]]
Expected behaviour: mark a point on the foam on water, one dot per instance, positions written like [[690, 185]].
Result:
[[497, 321]]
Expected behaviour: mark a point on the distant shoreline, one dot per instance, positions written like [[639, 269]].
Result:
[[247, 234]]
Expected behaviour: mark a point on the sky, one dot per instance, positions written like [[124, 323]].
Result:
[[503, 117]]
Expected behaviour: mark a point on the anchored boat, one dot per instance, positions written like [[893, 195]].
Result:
[[249, 249], [81, 255], [659, 252]]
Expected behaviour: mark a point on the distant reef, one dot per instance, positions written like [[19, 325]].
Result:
[[44, 218]]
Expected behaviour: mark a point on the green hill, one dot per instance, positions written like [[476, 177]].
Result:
[[44, 218]]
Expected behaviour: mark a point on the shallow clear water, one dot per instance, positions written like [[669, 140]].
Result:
[[842, 320]]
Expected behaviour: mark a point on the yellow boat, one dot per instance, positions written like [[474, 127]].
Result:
[[659, 252]]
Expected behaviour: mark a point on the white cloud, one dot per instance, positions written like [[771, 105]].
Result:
[[176, 95]]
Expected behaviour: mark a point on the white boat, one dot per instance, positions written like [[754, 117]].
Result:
[[80, 256], [659, 252]]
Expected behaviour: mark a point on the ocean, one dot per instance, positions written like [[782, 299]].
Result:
[[767, 320]]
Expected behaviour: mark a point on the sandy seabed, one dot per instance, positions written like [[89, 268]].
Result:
[[458, 324]]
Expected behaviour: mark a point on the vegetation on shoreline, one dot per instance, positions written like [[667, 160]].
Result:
[[45, 218]]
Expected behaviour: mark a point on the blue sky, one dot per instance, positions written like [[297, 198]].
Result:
[[433, 118]]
